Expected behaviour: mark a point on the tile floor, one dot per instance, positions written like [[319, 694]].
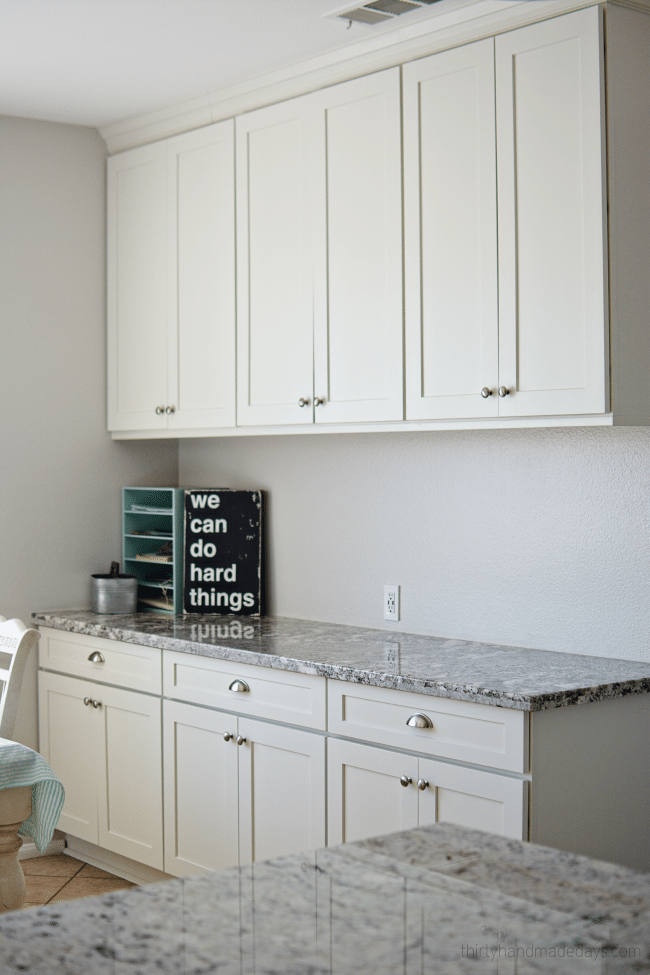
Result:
[[60, 877]]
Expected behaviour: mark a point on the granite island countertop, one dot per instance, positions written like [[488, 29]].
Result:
[[439, 899], [487, 673]]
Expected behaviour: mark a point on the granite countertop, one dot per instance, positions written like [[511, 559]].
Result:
[[437, 899], [509, 677]]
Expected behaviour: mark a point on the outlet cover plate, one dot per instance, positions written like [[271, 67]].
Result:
[[391, 603]]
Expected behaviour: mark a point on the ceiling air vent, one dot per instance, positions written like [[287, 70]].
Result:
[[378, 11]]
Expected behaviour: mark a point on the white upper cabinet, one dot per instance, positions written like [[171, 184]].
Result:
[[485, 263], [451, 234], [553, 317], [539, 346], [358, 367], [319, 257], [137, 285], [171, 283], [274, 276]]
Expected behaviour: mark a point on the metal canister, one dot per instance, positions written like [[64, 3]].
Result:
[[115, 593]]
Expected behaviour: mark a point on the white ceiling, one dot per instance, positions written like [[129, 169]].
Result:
[[93, 62]]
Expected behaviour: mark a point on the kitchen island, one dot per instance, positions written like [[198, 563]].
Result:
[[244, 739], [438, 899]]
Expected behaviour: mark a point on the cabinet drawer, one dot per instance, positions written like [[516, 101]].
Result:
[[124, 664], [462, 730], [276, 694]]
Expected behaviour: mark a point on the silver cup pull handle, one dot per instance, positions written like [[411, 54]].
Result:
[[97, 658], [419, 721], [239, 685]]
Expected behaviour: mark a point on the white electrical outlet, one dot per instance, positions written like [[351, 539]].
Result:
[[391, 602]]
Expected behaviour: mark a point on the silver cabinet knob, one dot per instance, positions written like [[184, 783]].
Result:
[[419, 721], [422, 785], [97, 704], [485, 392], [319, 400], [303, 402], [87, 701], [239, 685], [160, 410], [97, 658], [405, 780], [227, 736], [504, 391], [170, 409], [240, 740]]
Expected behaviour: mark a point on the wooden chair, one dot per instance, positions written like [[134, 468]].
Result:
[[16, 640]]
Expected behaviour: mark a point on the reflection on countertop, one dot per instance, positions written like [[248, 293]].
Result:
[[511, 677], [439, 899]]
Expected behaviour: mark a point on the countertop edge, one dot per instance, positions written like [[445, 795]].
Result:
[[432, 688]]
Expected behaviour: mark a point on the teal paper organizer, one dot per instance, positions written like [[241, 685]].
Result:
[[152, 520]]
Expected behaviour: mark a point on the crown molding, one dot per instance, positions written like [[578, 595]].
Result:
[[456, 22]]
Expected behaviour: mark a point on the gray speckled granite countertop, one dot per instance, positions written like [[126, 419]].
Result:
[[509, 677], [440, 899]]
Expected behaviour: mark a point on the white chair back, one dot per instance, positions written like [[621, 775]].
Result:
[[16, 640]]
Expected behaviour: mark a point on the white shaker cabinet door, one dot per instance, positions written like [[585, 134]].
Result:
[[451, 234], [553, 327], [274, 265], [472, 798], [365, 794], [358, 368], [281, 791], [70, 739], [104, 743], [202, 289], [171, 283], [137, 283], [130, 775], [200, 774]]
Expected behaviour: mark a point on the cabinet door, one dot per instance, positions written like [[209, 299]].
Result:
[[358, 359], [553, 328], [274, 265], [137, 288], [200, 774], [129, 768], [70, 740], [451, 234], [365, 794], [201, 344], [473, 798], [281, 791]]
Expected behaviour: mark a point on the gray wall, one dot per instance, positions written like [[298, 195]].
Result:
[[60, 473], [537, 538]]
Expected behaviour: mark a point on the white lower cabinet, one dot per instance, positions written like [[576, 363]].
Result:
[[372, 791], [104, 743], [248, 780], [238, 789]]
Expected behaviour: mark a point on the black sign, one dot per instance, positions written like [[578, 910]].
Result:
[[223, 552]]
